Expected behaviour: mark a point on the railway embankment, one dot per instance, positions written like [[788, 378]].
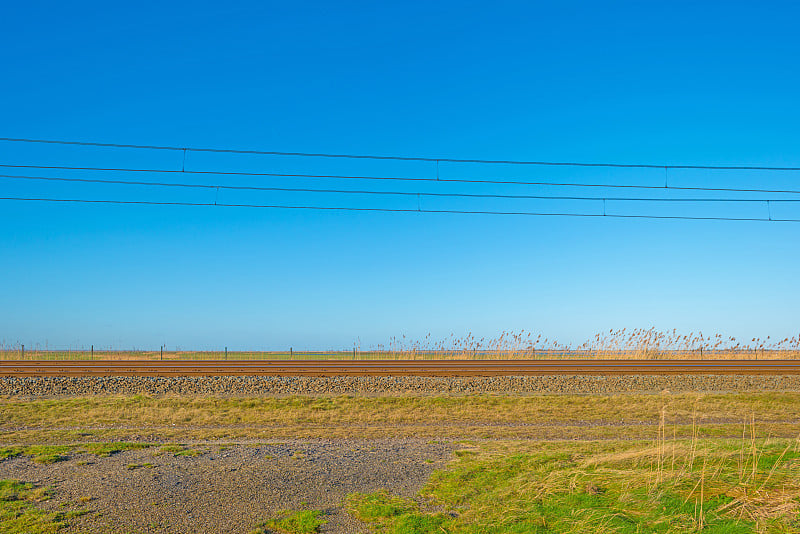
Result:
[[390, 385]]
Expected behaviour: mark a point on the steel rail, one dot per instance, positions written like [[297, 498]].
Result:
[[321, 368]]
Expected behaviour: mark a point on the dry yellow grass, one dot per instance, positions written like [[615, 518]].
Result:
[[476, 416], [399, 409]]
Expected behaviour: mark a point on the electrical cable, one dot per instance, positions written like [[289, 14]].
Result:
[[397, 193], [404, 179], [400, 158], [398, 210]]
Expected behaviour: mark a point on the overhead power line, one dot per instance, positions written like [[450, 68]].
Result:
[[387, 193], [405, 179], [401, 158], [399, 210], [362, 191]]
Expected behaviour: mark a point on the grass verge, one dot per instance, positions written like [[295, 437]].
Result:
[[666, 486], [179, 450], [49, 454], [293, 522], [20, 515], [394, 515], [475, 416]]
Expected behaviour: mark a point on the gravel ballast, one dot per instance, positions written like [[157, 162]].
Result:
[[343, 385]]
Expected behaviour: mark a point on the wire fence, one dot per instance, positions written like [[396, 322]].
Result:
[[355, 354]]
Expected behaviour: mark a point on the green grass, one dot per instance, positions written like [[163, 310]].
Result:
[[137, 466], [390, 514], [293, 522], [20, 515], [710, 486], [180, 450], [49, 454], [107, 449], [10, 452]]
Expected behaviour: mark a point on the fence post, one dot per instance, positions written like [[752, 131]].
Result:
[[23, 352], [291, 353], [92, 357], [226, 353], [162, 352]]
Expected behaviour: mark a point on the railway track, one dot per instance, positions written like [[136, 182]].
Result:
[[320, 368]]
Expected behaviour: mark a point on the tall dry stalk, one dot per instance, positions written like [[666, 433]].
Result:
[[702, 488], [742, 452], [693, 448], [753, 444]]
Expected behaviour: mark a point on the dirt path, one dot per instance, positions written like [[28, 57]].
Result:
[[230, 490]]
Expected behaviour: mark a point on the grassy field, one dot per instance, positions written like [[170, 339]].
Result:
[[715, 463], [170, 418], [667, 486]]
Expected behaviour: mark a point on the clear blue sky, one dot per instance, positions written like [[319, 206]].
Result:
[[665, 83]]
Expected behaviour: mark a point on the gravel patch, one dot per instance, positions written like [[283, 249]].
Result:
[[230, 490], [271, 385]]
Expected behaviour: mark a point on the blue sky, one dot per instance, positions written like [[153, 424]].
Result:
[[670, 83]]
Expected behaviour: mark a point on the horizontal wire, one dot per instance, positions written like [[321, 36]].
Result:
[[398, 210], [402, 158], [402, 178], [404, 193]]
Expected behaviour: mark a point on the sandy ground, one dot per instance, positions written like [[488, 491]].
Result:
[[228, 489]]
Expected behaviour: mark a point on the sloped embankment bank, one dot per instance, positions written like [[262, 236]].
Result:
[[267, 385]]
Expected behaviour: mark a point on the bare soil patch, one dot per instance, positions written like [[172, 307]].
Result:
[[228, 489]]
